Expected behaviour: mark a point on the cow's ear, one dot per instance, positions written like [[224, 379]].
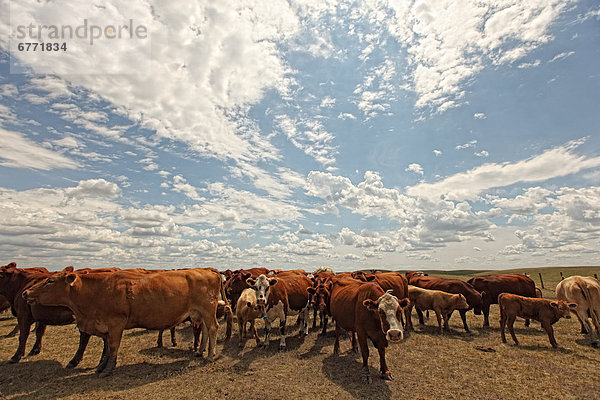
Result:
[[311, 290], [71, 278], [11, 265], [369, 278], [572, 306], [461, 296], [69, 269], [404, 303], [272, 281], [370, 304], [228, 273], [554, 304], [250, 281], [246, 275]]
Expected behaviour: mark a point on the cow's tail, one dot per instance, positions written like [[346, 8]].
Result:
[[228, 311], [592, 310]]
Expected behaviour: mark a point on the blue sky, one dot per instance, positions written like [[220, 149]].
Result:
[[375, 134]]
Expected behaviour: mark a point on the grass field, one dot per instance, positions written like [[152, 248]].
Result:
[[425, 365]]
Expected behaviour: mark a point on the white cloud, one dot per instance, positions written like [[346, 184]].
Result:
[[437, 153], [16, 151], [416, 168], [561, 56], [533, 200], [556, 162], [180, 185], [479, 116], [528, 65], [309, 136], [482, 153], [470, 144]]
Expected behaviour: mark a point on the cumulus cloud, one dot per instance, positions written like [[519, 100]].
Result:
[[479, 116], [416, 168], [470, 144], [437, 153], [17, 151], [556, 162]]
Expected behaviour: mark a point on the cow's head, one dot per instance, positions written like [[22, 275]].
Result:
[[54, 290], [563, 309], [6, 273], [460, 302], [261, 285], [389, 309], [320, 295]]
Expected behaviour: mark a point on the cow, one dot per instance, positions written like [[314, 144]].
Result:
[[585, 292], [128, 299], [236, 282], [280, 297], [370, 312], [394, 281], [455, 286], [320, 294], [247, 310], [545, 311], [441, 303], [490, 286]]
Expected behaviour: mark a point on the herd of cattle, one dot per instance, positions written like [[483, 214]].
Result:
[[370, 306]]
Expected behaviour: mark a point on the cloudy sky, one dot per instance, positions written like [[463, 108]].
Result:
[[401, 134]]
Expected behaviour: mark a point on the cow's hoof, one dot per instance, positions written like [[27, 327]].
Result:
[[355, 350], [367, 379], [387, 376], [105, 373], [14, 360], [34, 352], [595, 345], [282, 347], [72, 364], [199, 354]]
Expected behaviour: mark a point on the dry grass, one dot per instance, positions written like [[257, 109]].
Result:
[[425, 365]]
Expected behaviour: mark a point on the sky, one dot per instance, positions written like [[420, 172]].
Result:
[[390, 134]]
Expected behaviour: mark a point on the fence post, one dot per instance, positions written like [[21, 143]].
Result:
[[541, 280]]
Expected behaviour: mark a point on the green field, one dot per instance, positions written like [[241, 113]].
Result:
[[425, 365]]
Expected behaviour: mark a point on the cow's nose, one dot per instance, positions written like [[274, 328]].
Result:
[[26, 295], [395, 335]]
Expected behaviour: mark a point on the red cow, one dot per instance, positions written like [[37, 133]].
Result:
[[490, 287], [364, 308], [455, 286], [282, 296]]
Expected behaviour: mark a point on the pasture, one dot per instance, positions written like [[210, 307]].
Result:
[[425, 365]]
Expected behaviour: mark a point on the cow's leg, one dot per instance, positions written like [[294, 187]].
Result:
[[24, 326], [353, 341], [463, 315], [104, 357], [407, 316], [242, 329], [173, 340], [13, 332], [445, 317], [324, 323], [385, 372], [197, 330], [420, 315], [159, 341], [485, 309], [267, 333], [40, 329], [201, 328], [583, 329], [84, 339], [336, 345], [438, 316], [305, 322], [212, 330], [548, 328], [253, 327], [229, 322], [282, 344], [114, 341], [315, 311], [502, 324], [527, 322], [364, 351], [511, 328]]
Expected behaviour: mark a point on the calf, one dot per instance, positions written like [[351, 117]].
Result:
[[455, 286], [441, 303], [373, 314], [247, 311], [585, 292], [282, 296], [545, 311], [236, 282], [320, 299]]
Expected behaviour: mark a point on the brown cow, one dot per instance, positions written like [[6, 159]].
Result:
[[236, 282], [441, 303], [282, 296], [364, 308], [545, 311], [247, 311], [126, 299], [490, 287], [394, 281], [585, 292], [13, 282], [455, 286], [320, 294]]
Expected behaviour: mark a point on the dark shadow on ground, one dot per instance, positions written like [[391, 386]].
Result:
[[346, 371]]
